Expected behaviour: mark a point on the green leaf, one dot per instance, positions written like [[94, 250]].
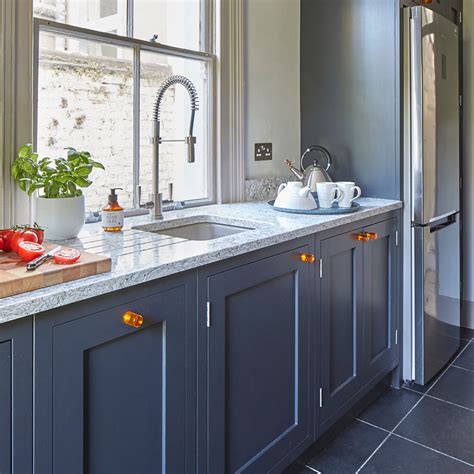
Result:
[[15, 169], [96, 164], [82, 182], [83, 170], [34, 187], [71, 151], [23, 184], [29, 166], [25, 151], [72, 188], [54, 190]]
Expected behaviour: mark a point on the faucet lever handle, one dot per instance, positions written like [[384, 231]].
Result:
[[139, 194]]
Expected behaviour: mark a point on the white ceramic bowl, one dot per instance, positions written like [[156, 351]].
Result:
[[293, 195]]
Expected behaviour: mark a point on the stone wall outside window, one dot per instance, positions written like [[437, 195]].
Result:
[[87, 104]]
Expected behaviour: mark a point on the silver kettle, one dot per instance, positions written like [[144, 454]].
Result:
[[313, 174]]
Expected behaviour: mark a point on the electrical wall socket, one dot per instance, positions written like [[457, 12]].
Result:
[[263, 151]]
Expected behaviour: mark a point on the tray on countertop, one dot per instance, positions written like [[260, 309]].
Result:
[[318, 212], [15, 279]]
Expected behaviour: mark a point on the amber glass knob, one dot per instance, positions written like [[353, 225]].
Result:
[[307, 257], [372, 235], [361, 237], [133, 319]]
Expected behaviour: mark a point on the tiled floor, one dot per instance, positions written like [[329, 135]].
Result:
[[412, 430]]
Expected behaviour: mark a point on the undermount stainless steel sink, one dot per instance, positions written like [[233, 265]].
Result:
[[199, 230]]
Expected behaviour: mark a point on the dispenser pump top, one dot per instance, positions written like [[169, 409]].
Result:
[[112, 196]]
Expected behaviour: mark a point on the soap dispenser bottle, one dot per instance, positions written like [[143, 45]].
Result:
[[112, 214]]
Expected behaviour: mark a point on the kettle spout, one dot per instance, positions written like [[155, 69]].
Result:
[[299, 174]]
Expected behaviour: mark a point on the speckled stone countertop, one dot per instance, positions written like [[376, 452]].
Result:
[[138, 256]]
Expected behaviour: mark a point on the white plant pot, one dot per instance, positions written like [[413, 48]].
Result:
[[61, 219]]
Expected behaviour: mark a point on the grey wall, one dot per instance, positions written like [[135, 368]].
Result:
[[272, 83], [468, 257], [349, 89]]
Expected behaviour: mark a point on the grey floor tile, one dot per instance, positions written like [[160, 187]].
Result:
[[425, 388], [390, 408], [297, 468], [419, 388], [441, 426], [349, 450], [467, 333], [456, 386], [466, 359], [400, 456]]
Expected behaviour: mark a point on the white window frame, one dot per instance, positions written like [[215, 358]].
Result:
[[208, 42]]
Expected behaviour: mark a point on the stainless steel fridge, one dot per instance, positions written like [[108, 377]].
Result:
[[434, 190]]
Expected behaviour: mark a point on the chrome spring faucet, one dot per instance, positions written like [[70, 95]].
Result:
[[155, 204]]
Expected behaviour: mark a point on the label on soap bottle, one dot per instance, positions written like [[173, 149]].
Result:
[[112, 218]]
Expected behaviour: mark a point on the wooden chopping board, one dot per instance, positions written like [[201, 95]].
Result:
[[14, 278]]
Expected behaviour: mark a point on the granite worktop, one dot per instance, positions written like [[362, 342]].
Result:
[[138, 256]]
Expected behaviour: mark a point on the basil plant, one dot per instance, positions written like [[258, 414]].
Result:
[[56, 177]]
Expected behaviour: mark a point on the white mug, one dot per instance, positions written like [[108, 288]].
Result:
[[328, 194], [348, 188]]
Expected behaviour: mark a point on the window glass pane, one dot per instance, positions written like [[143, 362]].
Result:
[[85, 101], [100, 15], [176, 22], [190, 180]]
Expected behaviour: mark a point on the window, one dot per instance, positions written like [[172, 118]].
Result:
[[97, 75]]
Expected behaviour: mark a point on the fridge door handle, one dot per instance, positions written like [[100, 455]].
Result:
[[441, 217], [442, 221]]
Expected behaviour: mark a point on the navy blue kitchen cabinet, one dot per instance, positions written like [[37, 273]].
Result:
[[256, 325], [341, 307], [16, 377], [358, 301], [110, 397], [380, 338], [238, 366]]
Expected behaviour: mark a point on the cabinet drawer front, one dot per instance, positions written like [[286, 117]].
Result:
[[258, 363], [118, 397], [341, 322]]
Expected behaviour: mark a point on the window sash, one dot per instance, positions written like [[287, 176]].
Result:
[[137, 45]]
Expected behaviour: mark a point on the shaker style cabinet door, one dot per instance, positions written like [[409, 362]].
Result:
[[16, 414], [380, 298], [259, 384], [341, 306], [114, 398]]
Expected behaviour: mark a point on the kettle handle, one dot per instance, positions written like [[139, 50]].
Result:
[[316, 148]]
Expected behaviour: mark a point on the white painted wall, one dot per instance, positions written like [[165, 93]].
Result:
[[468, 32], [272, 83]]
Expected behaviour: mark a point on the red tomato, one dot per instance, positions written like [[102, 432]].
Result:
[[67, 256], [38, 231], [7, 239], [1, 243], [22, 236], [30, 250]]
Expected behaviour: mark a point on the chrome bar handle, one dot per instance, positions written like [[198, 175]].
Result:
[[190, 141]]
